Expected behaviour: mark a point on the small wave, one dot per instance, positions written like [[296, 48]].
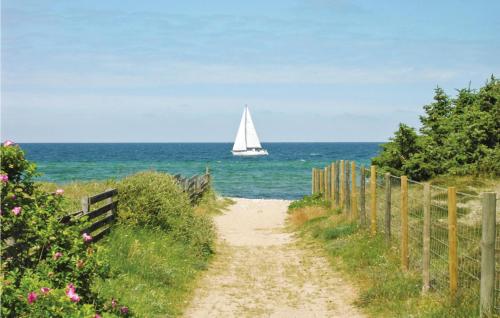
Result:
[[302, 160], [314, 154]]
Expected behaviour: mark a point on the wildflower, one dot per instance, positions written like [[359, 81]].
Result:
[[80, 264], [70, 292], [4, 178], [97, 315], [8, 143], [13, 197], [59, 192], [45, 290], [56, 256], [113, 303], [16, 210], [32, 297], [86, 237], [124, 310]]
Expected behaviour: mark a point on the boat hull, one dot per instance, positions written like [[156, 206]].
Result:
[[251, 153]]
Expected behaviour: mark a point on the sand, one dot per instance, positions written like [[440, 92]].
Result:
[[262, 271]]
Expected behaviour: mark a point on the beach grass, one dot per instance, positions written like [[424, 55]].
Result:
[[373, 265], [152, 272]]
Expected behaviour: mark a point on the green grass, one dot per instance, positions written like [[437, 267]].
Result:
[[385, 290], [151, 273]]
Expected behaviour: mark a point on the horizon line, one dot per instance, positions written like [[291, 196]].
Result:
[[184, 142]]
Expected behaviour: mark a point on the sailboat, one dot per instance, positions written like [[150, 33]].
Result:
[[247, 142]]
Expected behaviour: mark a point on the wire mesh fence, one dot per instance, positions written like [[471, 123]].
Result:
[[395, 207]]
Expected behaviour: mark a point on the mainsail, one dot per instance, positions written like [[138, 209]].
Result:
[[246, 138]]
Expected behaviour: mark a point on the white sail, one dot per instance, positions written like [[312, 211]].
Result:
[[251, 134], [240, 144], [247, 142]]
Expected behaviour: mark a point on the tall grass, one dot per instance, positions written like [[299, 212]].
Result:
[[152, 273], [159, 245], [374, 266]]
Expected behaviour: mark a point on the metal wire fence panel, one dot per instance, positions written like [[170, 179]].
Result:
[[388, 191], [395, 207], [439, 240], [415, 223], [469, 241], [380, 202], [497, 259]]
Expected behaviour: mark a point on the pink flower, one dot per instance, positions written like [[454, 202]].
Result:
[[59, 192], [32, 297], [8, 143], [4, 178], [86, 237], [124, 310], [70, 292], [113, 303], [97, 316], [45, 290], [16, 210], [56, 255]]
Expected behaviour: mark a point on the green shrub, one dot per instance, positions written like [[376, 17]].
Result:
[[42, 257], [154, 200]]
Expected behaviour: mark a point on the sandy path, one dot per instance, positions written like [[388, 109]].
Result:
[[260, 271]]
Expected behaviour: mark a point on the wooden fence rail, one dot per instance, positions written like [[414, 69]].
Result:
[[194, 186], [432, 220]]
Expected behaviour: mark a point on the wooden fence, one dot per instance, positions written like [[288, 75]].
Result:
[[449, 236], [102, 217], [194, 186]]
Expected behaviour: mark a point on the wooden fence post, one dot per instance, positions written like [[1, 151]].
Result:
[[317, 181], [332, 181], [354, 202], [453, 240], [362, 186], [373, 200], [85, 205], [337, 184], [347, 192], [388, 190], [325, 183], [341, 185], [313, 180], [426, 253], [404, 223], [321, 181], [488, 255]]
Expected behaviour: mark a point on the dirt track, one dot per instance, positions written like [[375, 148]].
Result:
[[261, 271]]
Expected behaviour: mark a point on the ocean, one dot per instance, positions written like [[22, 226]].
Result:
[[284, 174]]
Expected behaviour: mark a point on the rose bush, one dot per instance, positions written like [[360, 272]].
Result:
[[47, 266]]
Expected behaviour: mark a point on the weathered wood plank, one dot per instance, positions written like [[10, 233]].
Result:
[[101, 196], [99, 224], [100, 211], [101, 234]]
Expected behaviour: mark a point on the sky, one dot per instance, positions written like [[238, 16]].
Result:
[[182, 71]]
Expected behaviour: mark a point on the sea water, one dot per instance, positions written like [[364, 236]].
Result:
[[285, 173]]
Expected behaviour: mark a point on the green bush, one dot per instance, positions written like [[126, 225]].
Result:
[[154, 200], [47, 268]]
